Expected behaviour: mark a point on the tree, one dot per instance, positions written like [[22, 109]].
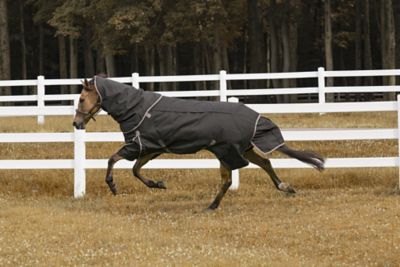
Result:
[[5, 71], [388, 42], [367, 41], [256, 40], [328, 39]]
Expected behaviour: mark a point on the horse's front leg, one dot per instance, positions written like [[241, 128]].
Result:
[[109, 176], [138, 166]]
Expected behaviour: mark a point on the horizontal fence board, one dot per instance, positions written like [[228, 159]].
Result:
[[273, 91], [18, 98], [190, 93], [104, 137], [338, 134], [61, 97], [268, 76], [288, 134], [35, 111], [36, 137], [17, 83], [179, 78], [361, 73], [193, 163], [36, 164], [362, 89], [325, 107], [261, 108]]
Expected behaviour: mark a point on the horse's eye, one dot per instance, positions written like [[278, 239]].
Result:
[[81, 100]]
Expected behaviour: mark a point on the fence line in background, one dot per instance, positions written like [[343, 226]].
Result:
[[80, 137]]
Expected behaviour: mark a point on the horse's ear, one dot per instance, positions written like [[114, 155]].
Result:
[[85, 84]]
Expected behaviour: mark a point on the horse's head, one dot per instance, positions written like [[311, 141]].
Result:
[[89, 105]]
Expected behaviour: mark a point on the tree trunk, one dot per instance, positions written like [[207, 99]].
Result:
[[22, 40], [134, 59], [358, 41], [367, 42], [274, 40], [88, 55], [293, 41], [285, 58], [110, 65], [150, 64], [397, 30], [256, 42], [328, 44], [161, 51], [170, 65], [73, 61], [217, 53], [41, 50], [167, 64], [388, 42], [199, 65], [62, 62], [397, 23], [100, 67], [24, 74], [5, 72]]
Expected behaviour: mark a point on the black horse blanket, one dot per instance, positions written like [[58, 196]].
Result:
[[152, 123]]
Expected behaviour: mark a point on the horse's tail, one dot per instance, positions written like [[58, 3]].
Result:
[[308, 157]]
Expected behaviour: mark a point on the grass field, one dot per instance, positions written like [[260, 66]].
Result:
[[347, 217]]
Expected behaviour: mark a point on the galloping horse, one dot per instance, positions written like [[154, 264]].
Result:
[[153, 124]]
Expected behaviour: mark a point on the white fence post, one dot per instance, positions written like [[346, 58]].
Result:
[[135, 80], [235, 173], [321, 87], [40, 95], [222, 86], [79, 163], [398, 133]]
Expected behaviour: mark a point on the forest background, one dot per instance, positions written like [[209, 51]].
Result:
[[79, 38]]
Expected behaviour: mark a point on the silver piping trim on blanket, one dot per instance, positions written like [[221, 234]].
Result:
[[255, 126], [140, 144], [265, 153], [145, 115], [95, 86]]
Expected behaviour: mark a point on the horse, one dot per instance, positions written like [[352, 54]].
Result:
[[153, 124]]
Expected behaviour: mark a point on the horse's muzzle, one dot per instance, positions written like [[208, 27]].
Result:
[[78, 126]]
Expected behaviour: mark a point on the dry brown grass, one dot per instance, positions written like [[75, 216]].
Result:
[[339, 217]]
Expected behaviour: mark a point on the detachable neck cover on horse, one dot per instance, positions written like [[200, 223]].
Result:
[[127, 105], [152, 123]]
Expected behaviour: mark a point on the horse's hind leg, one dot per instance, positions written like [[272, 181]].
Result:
[[137, 167], [109, 176], [265, 164], [226, 181]]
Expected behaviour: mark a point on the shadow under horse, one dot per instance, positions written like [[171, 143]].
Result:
[[153, 124]]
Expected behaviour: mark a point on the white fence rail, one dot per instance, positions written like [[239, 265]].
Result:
[[80, 137]]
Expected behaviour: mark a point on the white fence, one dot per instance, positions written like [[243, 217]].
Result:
[[80, 137]]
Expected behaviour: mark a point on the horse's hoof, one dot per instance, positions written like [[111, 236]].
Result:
[[113, 189], [212, 207], [286, 188], [161, 185]]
